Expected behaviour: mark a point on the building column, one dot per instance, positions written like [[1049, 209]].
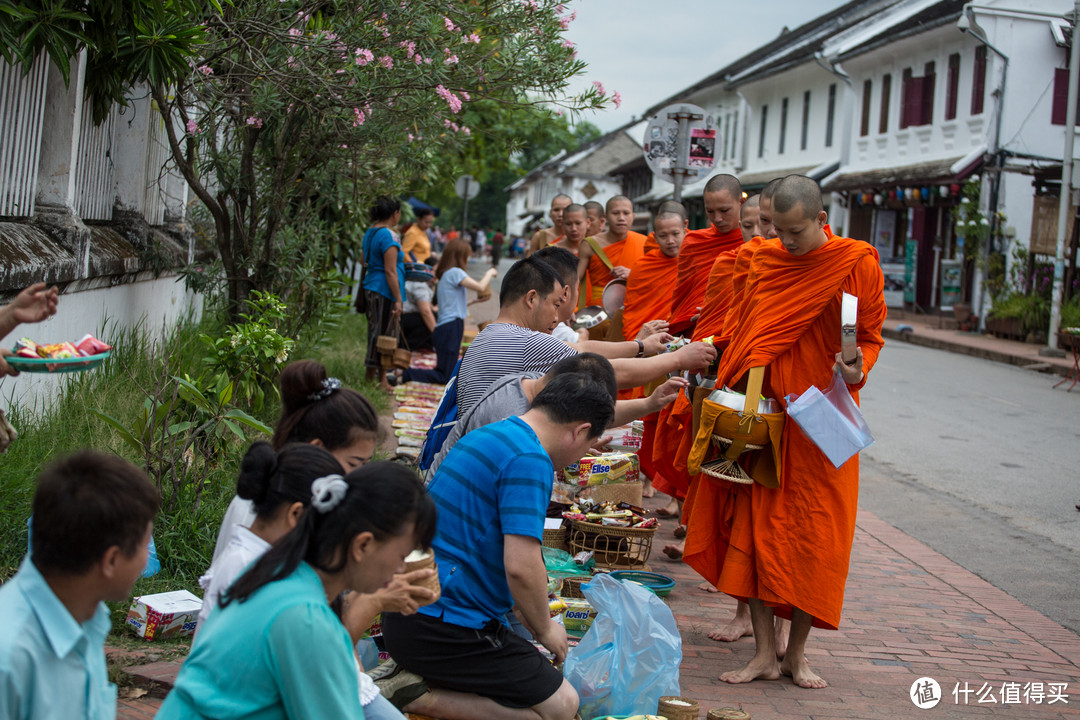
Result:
[[61, 135]]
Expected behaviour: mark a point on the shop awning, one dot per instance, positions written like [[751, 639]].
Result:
[[948, 170], [420, 205]]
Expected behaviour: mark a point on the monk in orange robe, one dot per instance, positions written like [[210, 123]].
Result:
[[622, 246], [594, 212], [648, 300], [546, 236], [575, 226], [786, 551], [723, 198]]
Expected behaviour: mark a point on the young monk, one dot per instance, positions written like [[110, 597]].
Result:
[[595, 214], [575, 225], [648, 299], [546, 236], [723, 198], [622, 246], [788, 320]]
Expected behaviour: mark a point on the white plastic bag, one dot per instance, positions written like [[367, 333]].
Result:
[[630, 656], [832, 420]]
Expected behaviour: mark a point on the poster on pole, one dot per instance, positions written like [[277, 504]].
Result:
[[666, 156]]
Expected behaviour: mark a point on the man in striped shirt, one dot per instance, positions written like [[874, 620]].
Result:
[[492, 493], [519, 340]]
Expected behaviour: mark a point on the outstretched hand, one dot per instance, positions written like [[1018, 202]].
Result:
[[666, 393], [34, 304], [652, 328], [656, 344], [696, 357]]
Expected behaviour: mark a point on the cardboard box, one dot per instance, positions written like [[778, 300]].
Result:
[[578, 616], [164, 615]]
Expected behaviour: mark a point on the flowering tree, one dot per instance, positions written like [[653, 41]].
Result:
[[292, 101]]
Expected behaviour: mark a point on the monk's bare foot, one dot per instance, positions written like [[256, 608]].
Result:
[[679, 532], [782, 630], [739, 627], [647, 490], [674, 551], [707, 587], [763, 669], [669, 510], [801, 673]]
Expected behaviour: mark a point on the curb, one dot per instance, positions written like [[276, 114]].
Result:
[[984, 353]]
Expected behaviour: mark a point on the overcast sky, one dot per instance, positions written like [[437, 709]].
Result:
[[648, 51]]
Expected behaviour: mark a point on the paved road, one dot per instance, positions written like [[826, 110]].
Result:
[[980, 461]]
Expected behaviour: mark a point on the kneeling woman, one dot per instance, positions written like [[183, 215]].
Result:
[[274, 648], [453, 304]]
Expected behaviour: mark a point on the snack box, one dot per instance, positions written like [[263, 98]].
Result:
[[164, 615], [578, 616], [603, 469]]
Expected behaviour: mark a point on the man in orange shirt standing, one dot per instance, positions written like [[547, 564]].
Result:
[[786, 550], [620, 245]]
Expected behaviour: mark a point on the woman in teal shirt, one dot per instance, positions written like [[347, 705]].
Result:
[[384, 279], [275, 649]]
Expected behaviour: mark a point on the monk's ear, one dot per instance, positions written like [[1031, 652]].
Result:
[[822, 218], [686, 225]]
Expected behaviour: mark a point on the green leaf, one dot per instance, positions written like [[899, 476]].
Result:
[[240, 416], [122, 431], [226, 395], [234, 427]]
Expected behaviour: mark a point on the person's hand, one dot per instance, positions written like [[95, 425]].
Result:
[[35, 303], [6, 369], [651, 328], [601, 442], [621, 272], [853, 373], [403, 595], [553, 637], [492, 272], [654, 344], [667, 393], [397, 308], [695, 357]]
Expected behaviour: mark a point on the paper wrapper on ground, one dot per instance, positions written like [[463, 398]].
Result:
[[164, 615]]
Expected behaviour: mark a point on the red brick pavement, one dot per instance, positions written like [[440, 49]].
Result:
[[909, 612]]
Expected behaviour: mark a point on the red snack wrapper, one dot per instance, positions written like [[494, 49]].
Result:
[[90, 345]]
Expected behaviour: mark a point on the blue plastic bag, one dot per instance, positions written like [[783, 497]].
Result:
[[630, 656], [832, 420]]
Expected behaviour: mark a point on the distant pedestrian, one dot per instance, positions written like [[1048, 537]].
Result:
[[496, 248], [384, 280]]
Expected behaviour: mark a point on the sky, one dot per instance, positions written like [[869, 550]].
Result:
[[648, 51]]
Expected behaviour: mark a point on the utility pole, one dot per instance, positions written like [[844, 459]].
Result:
[[1065, 200]]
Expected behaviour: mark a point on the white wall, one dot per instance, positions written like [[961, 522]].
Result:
[[157, 304]]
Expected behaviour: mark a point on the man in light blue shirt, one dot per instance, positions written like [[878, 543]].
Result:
[[93, 515]]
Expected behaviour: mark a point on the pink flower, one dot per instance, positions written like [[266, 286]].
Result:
[[450, 58], [466, 130], [410, 48], [364, 56], [473, 38], [564, 22], [206, 70], [617, 99], [427, 61], [360, 117], [451, 99], [465, 95], [418, 58], [411, 137], [567, 44], [449, 24], [387, 62], [293, 32], [560, 8], [599, 86], [192, 127], [255, 121]]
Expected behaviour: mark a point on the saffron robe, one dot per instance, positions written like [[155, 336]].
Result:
[[625, 252], [790, 547], [696, 257]]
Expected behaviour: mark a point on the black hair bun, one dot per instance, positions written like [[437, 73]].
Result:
[[256, 470]]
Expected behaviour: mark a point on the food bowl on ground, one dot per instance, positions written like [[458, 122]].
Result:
[[660, 585]]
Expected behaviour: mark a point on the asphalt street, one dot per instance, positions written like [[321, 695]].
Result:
[[980, 461]]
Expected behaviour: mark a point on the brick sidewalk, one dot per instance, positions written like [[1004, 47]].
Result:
[[909, 612]]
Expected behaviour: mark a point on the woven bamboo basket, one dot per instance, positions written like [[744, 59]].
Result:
[[571, 586], [386, 343], [674, 707], [616, 492], [402, 358], [555, 538], [728, 713], [612, 547]]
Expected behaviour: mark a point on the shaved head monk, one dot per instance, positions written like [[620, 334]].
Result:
[[575, 225], [787, 550], [748, 218], [723, 198], [595, 214], [546, 236], [616, 250]]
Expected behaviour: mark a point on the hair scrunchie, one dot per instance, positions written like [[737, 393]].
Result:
[[329, 386], [328, 492]]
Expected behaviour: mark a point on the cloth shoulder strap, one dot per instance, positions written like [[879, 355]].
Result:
[[595, 245]]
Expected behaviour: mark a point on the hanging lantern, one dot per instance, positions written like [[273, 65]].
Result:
[[878, 198], [925, 194], [909, 194], [954, 189], [943, 191]]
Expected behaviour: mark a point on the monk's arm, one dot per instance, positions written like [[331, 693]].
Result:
[[534, 242], [868, 283], [585, 254]]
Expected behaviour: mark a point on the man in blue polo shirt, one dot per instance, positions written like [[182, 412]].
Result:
[[492, 492]]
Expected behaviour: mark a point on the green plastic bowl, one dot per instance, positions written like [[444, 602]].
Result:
[[660, 585]]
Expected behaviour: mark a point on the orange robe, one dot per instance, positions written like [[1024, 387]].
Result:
[[718, 295], [698, 252], [625, 252], [790, 547]]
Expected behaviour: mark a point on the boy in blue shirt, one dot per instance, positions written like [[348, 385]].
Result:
[[93, 515], [492, 493]]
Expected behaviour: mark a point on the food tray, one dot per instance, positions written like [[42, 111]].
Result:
[[57, 365]]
